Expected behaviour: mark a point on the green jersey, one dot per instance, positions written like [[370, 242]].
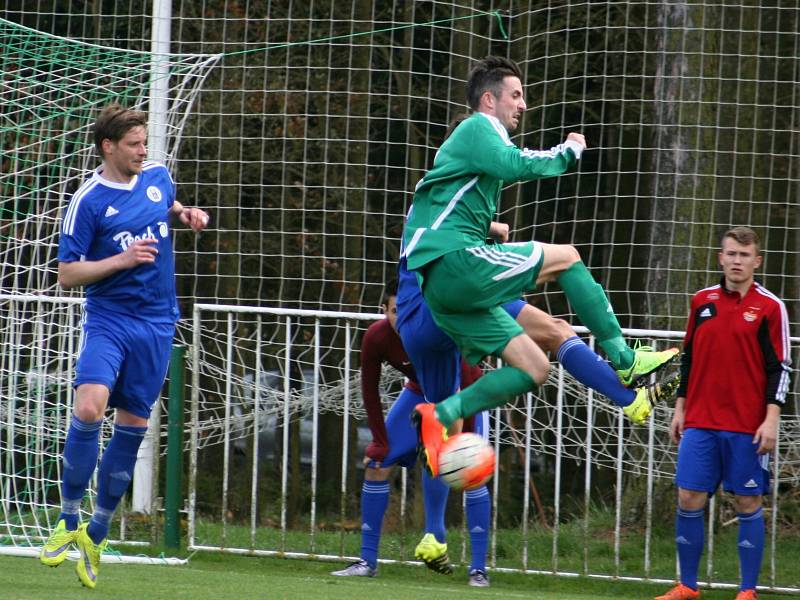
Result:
[[455, 202]]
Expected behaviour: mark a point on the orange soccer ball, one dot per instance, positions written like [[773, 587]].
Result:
[[466, 461]]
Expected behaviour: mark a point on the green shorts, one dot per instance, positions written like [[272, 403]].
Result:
[[465, 289]]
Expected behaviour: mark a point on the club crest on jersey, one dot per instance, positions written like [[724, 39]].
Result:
[[154, 193], [749, 316]]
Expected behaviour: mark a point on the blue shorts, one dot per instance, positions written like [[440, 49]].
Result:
[[707, 457], [434, 354], [436, 359], [128, 356], [403, 435]]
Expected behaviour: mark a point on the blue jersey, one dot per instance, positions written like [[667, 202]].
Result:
[[102, 219]]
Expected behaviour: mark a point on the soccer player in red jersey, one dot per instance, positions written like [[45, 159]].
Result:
[[735, 374]]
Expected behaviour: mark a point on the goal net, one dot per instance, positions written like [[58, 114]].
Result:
[[51, 89], [306, 140]]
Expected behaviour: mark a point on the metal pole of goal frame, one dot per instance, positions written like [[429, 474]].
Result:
[[172, 495]]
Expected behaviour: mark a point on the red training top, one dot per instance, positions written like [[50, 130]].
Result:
[[736, 358]]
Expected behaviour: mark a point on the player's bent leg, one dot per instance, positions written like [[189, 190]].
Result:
[[548, 332], [580, 361], [493, 389], [88, 566], [588, 299], [432, 433]]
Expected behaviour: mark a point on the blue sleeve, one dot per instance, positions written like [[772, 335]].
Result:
[[514, 307], [77, 230]]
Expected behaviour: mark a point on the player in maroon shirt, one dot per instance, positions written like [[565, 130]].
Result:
[[394, 440], [735, 374]]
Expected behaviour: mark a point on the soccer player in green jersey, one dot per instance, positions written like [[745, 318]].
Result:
[[465, 281]]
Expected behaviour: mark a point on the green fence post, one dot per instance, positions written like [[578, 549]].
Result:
[[173, 497]]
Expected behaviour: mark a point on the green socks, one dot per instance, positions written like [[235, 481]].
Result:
[[493, 389], [589, 302]]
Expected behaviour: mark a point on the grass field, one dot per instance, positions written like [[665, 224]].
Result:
[[215, 576]]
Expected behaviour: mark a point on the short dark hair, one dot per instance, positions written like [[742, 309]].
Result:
[[487, 76], [113, 122], [743, 235], [389, 290]]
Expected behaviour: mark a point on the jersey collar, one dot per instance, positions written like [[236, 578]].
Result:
[[98, 176], [735, 294]]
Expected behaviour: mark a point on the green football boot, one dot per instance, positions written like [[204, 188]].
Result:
[[647, 397], [434, 554], [645, 362]]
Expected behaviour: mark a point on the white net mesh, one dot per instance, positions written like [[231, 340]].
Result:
[[307, 137], [50, 91]]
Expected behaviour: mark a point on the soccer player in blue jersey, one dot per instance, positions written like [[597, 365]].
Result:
[[116, 243], [394, 442]]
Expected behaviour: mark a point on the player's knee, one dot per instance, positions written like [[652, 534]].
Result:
[[691, 499], [558, 332], [88, 412], [377, 473], [571, 255], [91, 400], [540, 373], [747, 504]]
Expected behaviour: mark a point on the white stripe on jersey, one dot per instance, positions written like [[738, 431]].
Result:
[[529, 263], [512, 257], [151, 164], [504, 259], [453, 201], [499, 128], [494, 260], [783, 382], [784, 320], [711, 287], [68, 224], [417, 234], [448, 209], [552, 153]]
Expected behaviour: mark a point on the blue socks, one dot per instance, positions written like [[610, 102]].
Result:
[[583, 364], [114, 477], [751, 546], [690, 537], [478, 511], [434, 495], [80, 461], [374, 500]]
